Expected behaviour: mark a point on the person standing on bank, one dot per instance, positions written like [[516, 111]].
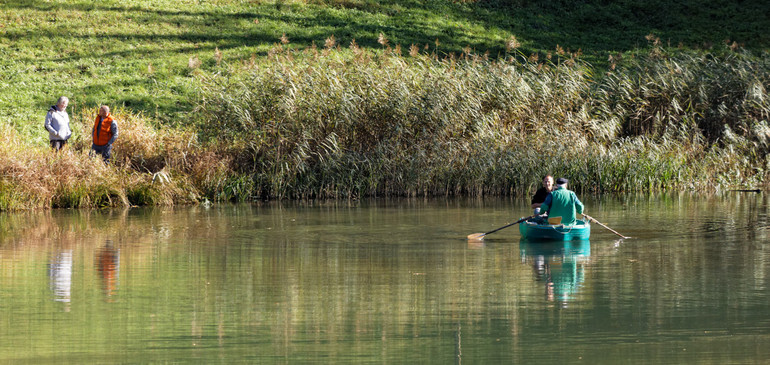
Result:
[[542, 193], [562, 203], [104, 133], [57, 123]]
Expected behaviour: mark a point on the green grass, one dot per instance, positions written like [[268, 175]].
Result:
[[136, 54]]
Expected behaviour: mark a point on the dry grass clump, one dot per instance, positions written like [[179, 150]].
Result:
[[21, 185], [148, 167], [36, 177], [168, 165], [138, 146]]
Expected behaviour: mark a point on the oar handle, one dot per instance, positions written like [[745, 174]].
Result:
[[509, 224], [592, 219]]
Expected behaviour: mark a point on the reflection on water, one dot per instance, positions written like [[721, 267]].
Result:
[[387, 282], [60, 275], [108, 264], [559, 266]]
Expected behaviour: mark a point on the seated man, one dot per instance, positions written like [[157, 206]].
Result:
[[542, 193], [562, 203]]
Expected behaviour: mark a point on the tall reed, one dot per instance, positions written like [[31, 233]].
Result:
[[383, 124], [395, 121], [690, 96]]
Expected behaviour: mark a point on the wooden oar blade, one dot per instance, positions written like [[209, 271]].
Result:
[[476, 236], [592, 219]]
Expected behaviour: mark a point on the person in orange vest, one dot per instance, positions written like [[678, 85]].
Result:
[[104, 133]]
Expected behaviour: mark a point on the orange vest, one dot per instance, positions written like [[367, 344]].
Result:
[[102, 134]]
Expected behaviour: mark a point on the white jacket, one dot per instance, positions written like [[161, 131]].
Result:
[[58, 124]]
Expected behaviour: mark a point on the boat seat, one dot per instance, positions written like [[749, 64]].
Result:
[[554, 220]]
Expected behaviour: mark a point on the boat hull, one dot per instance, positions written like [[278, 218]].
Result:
[[581, 230]]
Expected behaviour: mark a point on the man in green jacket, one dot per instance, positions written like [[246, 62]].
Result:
[[562, 203]]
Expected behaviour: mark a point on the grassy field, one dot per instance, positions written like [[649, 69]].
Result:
[[174, 69], [144, 54]]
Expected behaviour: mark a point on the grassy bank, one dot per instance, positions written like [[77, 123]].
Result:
[[350, 123], [229, 100]]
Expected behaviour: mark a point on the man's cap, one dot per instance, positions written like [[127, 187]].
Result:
[[561, 181]]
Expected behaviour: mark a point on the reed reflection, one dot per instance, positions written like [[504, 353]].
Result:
[[559, 265], [108, 264]]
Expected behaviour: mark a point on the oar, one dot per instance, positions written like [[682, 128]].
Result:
[[480, 236], [592, 219]]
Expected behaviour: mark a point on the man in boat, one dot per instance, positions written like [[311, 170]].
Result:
[[542, 193], [563, 203]]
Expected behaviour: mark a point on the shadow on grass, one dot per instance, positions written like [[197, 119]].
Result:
[[597, 27], [304, 26]]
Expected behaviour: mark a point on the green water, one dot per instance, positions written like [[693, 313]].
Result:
[[387, 282]]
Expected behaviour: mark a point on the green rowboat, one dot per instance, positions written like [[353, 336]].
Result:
[[581, 230]]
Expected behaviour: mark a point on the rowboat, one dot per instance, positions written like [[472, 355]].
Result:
[[577, 250], [530, 230]]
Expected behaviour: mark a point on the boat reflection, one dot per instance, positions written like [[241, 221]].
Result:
[[559, 265]]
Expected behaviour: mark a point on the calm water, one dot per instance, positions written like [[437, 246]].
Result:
[[387, 282]]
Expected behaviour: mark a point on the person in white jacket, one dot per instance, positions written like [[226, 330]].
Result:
[[57, 122]]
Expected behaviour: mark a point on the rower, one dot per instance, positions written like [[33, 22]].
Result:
[[562, 202]]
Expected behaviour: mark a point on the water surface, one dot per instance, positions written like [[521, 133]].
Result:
[[387, 281]]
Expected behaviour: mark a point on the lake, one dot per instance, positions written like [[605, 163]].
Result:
[[387, 281]]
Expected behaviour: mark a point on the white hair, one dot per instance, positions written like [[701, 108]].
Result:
[[63, 100]]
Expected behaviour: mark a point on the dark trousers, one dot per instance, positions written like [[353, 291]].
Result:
[[57, 144], [104, 151]]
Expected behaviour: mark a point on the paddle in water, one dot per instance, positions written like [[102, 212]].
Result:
[[480, 236], [592, 219]]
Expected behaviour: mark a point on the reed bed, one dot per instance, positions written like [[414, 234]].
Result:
[[689, 96], [370, 124]]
